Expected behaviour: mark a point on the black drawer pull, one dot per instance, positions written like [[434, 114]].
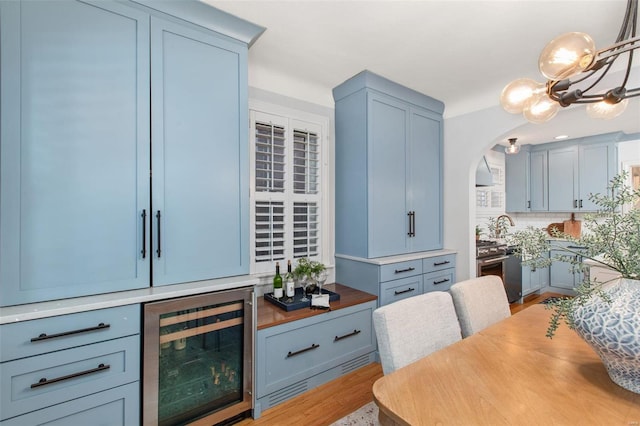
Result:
[[45, 381], [441, 281], [45, 336], [409, 290], [577, 247], [347, 335], [312, 347], [446, 262], [399, 271]]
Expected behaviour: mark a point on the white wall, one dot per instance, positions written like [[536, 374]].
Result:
[[466, 139]]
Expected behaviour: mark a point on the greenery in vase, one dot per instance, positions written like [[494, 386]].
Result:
[[307, 268], [478, 231], [611, 238]]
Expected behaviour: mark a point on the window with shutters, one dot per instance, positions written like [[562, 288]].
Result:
[[286, 191]]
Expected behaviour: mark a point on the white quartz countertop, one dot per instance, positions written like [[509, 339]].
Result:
[[32, 311], [399, 258]]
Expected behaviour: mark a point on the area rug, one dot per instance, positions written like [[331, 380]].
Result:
[[367, 415]]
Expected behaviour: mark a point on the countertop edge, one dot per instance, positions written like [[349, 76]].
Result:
[[31, 311], [398, 258]]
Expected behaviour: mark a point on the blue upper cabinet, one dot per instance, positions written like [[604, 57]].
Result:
[[560, 176], [75, 149], [88, 91], [200, 159], [388, 168]]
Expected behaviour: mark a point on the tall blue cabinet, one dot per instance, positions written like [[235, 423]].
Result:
[[389, 190], [123, 156], [388, 168]]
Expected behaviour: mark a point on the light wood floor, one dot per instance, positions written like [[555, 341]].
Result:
[[332, 401]]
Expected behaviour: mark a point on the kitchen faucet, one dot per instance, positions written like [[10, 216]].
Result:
[[508, 218]]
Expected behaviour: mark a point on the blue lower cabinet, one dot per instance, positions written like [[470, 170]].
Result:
[[119, 406], [297, 356], [398, 277], [72, 369]]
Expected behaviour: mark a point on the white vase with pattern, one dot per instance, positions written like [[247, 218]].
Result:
[[613, 331]]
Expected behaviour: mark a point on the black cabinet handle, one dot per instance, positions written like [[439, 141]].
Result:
[[575, 204], [44, 381], [399, 271], [528, 204], [441, 281], [577, 247], [144, 233], [404, 291], [446, 262], [159, 250], [411, 232], [355, 332], [310, 348], [413, 223], [580, 203], [45, 336]]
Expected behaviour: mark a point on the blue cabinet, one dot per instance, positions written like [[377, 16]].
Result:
[[74, 149], [395, 278], [388, 168], [102, 105], [200, 184], [68, 367], [516, 182], [560, 176]]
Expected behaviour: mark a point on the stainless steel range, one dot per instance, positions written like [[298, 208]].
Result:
[[493, 258]]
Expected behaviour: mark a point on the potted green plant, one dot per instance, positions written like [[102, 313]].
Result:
[[478, 232], [605, 314]]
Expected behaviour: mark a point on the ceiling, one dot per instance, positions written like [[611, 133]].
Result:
[[460, 52]]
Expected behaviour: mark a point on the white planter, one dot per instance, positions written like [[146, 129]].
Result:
[[613, 330]]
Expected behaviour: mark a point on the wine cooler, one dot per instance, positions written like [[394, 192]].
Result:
[[197, 358]]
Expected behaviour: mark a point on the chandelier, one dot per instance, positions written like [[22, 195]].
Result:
[[573, 68]]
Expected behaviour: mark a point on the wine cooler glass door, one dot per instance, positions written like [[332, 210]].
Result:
[[197, 358]]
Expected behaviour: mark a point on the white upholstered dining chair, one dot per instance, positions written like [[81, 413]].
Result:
[[412, 328], [479, 303]]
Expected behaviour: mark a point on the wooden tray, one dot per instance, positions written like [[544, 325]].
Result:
[[297, 303]]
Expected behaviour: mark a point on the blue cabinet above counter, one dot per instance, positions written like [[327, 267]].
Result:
[[124, 165]]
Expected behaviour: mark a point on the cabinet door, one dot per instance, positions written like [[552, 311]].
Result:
[[597, 163], [560, 273], [74, 159], [563, 178], [539, 183], [388, 219], [200, 160], [516, 182], [424, 180]]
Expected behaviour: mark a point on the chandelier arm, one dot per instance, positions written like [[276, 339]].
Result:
[[629, 14], [617, 48]]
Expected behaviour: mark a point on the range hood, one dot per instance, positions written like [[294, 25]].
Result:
[[483, 173]]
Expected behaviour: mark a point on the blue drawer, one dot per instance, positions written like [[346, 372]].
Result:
[[36, 337], [437, 263], [67, 374], [439, 280], [118, 407], [392, 291], [394, 271]]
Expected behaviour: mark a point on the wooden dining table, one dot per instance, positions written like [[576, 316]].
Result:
[[508, 374]]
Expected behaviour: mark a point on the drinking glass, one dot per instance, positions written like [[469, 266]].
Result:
[[321, 277], [304, 282]]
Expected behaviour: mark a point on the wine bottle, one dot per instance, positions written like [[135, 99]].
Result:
[[277, 283], [291, 290]]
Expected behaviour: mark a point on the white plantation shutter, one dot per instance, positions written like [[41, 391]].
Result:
[[286, 197], [305, 162], [305, 229], [269, 231], [269, 157]]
